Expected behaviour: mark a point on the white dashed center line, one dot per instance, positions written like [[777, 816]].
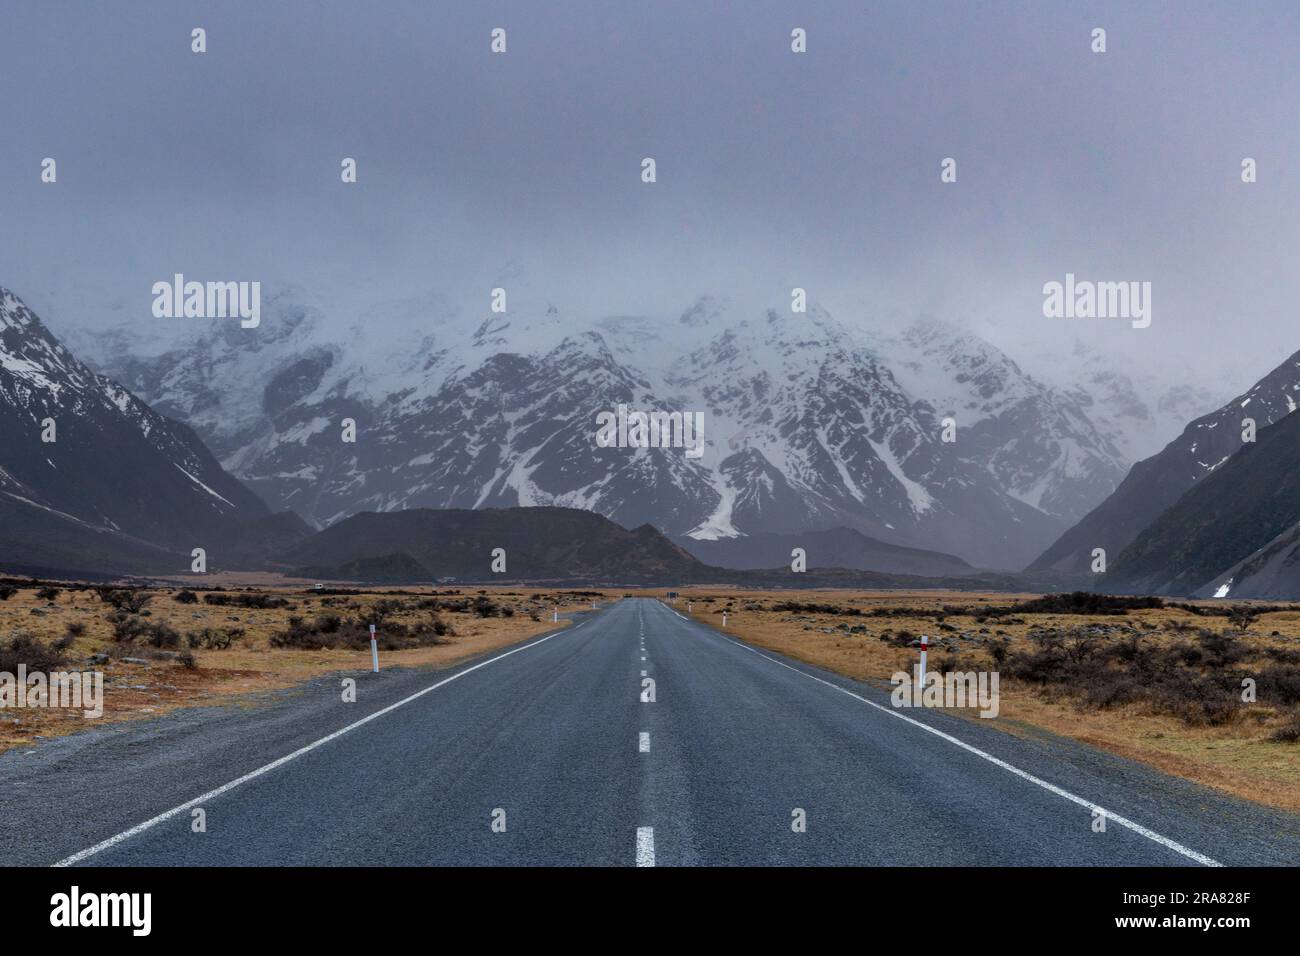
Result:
[[644, 742], [645, 846]]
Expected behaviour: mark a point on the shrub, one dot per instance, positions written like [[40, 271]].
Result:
[[127, 627], [329, 631], [24, 648], [809, 607], [245, 599], [185, 597], [1195, 681], [213, 639], [131, 602], [1288, 733], [326, 631], [1221, 649], [998, 649], [1241, 617], [47, 594], [160, 634], [74, 630], [1283, 655], [130, 629], [1077, 602], [1280, 684]]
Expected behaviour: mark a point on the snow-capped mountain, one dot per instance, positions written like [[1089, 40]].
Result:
[[1037, 441], [1156, 483], [1137, 410], [808, 424], [87, 467]]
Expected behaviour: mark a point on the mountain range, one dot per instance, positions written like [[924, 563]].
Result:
[[913, 454], [810, 424]]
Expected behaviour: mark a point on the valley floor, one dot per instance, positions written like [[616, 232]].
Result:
[[170, 652], [632, 737]]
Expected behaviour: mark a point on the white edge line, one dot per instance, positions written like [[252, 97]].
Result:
[[252, 775], [996, 761]]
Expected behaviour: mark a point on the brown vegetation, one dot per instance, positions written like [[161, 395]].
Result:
[[1166, 683], [163, 647]]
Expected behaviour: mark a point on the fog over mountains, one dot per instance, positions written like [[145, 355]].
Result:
[[811, 422]]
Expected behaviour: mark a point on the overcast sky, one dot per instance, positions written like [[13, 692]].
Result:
[[774, 169]]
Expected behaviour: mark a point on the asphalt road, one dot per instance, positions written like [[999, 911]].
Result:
[[547, 754]]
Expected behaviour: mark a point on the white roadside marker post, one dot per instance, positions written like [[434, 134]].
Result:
[[555, 615], [724, 618], [925, 646], [374, 650]]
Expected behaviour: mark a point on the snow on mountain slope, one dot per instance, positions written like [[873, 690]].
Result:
[[808, 424], [1156, 483], [1137, 410], [1037, 441], [89, 456]]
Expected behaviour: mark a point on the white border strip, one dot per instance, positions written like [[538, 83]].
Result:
[[260, 771], [1050, 787]]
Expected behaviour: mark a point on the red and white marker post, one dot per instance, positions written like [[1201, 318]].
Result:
[[374, 650], [925, 646]]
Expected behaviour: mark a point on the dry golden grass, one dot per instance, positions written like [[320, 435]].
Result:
[[250, 664], [1236, 757]]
